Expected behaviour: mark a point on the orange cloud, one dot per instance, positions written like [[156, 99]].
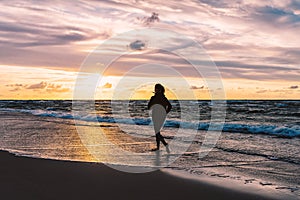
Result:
[[107, 85], [49, 87], [40, 85]]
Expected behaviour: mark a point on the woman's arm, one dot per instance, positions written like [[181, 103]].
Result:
[[150, 103], [169, 106]]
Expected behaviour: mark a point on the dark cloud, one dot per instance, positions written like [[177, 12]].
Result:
[[137, 45], [40, 85], [43, 38], [254, 67], [17, 28], [290, 55], [51, 40], [275, 16], [193, 87], [149, 20], [294, 87], [73, 37], [216, 3], [295, 4], [152, 19], [15, 85]]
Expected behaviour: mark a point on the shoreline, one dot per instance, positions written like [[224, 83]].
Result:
[[234, 185], [33, 178]]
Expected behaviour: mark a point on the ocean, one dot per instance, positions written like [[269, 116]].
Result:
[[259, 142]]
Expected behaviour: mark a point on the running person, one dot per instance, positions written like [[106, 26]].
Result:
[[160, 106]]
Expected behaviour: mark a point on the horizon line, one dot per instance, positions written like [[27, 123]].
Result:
[[148, 99]]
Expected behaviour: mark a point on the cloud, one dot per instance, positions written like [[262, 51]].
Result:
[[217, 3], [17, 28], [42, 86], [193, 87], [107, 85], [261, 91], [137, 45], [45, 35], [279, 16], [16, 87], [294, 87], [282, 90], [142, 91], [232, 69], [58, 88], [152, 19], [249, 66], [247, 39]]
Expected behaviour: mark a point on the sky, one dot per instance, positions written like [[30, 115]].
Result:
[[255, 46]]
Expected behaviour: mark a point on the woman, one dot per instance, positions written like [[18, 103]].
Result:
[[160, 106]]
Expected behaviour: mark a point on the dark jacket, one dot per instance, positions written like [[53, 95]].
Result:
[[160, 99]]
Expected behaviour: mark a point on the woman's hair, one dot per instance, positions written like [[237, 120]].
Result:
[[160, 87]]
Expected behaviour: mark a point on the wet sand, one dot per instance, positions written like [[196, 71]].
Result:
[[30, 178]]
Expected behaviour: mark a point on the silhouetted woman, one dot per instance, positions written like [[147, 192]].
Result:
[[160, 106]]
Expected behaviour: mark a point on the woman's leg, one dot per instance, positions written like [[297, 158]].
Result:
[[158, 118], [160, 138], [157, 141]]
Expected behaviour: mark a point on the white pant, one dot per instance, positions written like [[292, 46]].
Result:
[[158, 117]]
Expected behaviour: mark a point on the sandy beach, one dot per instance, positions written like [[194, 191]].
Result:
[[29, 178]]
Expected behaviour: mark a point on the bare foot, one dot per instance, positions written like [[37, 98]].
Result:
[[155, 149]]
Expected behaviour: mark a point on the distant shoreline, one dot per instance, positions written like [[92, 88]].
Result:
[[148, 99]]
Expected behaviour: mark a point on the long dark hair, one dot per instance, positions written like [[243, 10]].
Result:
[[160, 87]]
